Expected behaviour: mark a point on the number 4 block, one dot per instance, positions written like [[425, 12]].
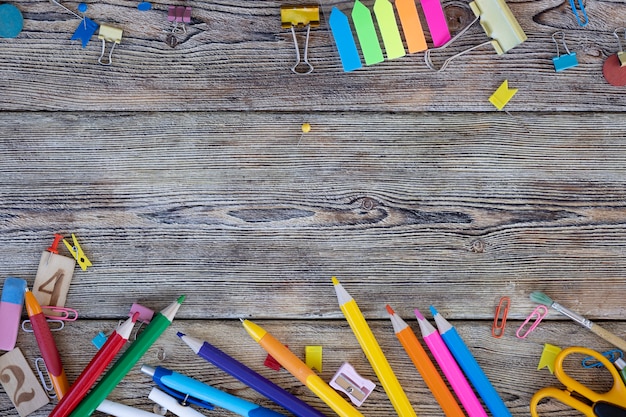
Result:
[[53, 279]]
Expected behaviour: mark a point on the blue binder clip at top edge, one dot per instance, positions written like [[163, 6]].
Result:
[[563, 62], [579, 12]]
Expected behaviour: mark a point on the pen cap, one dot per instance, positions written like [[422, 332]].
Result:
[[11, 303]]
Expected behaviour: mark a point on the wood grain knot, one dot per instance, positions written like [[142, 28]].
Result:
[[368, 203], [477, 246], [458, 15]]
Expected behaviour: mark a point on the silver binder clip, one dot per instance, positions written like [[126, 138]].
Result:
[[109, 34], [300, 17]]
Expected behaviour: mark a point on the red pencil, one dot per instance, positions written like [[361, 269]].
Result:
[[94, 369]]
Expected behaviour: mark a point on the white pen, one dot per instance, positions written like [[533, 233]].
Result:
[[121, 410]]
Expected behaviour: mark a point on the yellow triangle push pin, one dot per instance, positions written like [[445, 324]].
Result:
[[502, 95], [77, 253]]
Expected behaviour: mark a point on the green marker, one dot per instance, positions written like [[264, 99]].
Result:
[[131, 356]]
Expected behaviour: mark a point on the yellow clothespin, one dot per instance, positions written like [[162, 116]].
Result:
[[502, 95], [77, 253], [548, 357], [109, 34], [313, 357]]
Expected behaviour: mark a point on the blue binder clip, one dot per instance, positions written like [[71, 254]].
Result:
[[579, 12], [563, 62]]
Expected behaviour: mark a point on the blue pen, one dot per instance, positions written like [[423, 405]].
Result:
[[468, 363], [199, 393]]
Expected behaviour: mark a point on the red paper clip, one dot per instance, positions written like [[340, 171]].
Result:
[[499, 321], [538, 314]]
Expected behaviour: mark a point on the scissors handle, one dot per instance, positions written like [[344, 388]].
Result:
[[603, 409]]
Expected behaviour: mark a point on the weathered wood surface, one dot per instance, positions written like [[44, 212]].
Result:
[[235, 56], [250, 218]]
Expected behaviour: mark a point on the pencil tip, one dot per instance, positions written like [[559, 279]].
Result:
[[390, 310], [181, 299], [433, 310], [180, 334], [418, 314], [335, 281]]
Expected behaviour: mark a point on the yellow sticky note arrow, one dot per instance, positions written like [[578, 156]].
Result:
[[548, 357], [502, 95]]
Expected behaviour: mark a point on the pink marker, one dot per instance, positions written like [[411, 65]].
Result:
[[451, 370]]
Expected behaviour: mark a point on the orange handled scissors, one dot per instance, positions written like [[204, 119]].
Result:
[[598, 404]]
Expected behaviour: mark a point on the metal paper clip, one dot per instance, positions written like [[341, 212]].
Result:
[[563, 62], [497, 21], [39, 364], [499, 320], [612, 355], [113, 35], [61, 324], [66, 9], [621, 55], [65, 314], [538, 314], [300, 16], [356, 387], [579, 12]]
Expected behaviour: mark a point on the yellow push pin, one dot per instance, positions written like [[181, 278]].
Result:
[[77, 253], [306, 128], [313, 357], [502, 95]]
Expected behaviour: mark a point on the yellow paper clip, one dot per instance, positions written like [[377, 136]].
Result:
[[498, 23], [548, 357], [621, 55], [499, 320], [313, 357], [109, 34], [300, 16], [77, 253], [502, 95]]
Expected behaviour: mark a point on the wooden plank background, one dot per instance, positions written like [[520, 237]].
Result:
[[185, 171]]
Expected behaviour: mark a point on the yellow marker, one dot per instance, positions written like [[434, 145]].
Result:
[[502, 95], [77, 253], [374, 353], [297, 368], [548, 357], [313, 357]]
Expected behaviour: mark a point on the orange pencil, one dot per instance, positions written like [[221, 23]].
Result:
[[425, 366]]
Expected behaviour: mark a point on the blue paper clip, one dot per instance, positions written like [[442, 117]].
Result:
[[611, 355], [579, 11], [563, 62]]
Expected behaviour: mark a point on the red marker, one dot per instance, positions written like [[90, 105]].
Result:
[[46, 344], [94, 369]]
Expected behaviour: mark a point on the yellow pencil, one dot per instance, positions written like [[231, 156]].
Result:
[[374, 353], [303, 373]]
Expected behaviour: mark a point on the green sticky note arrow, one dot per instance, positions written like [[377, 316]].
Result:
[[389, 29], [366, 32]]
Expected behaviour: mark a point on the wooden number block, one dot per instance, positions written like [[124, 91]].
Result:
[[20, 383], [53, 279]]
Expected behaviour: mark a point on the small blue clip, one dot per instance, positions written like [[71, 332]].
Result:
[[579, 11], [563, 62], [611, 355]]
